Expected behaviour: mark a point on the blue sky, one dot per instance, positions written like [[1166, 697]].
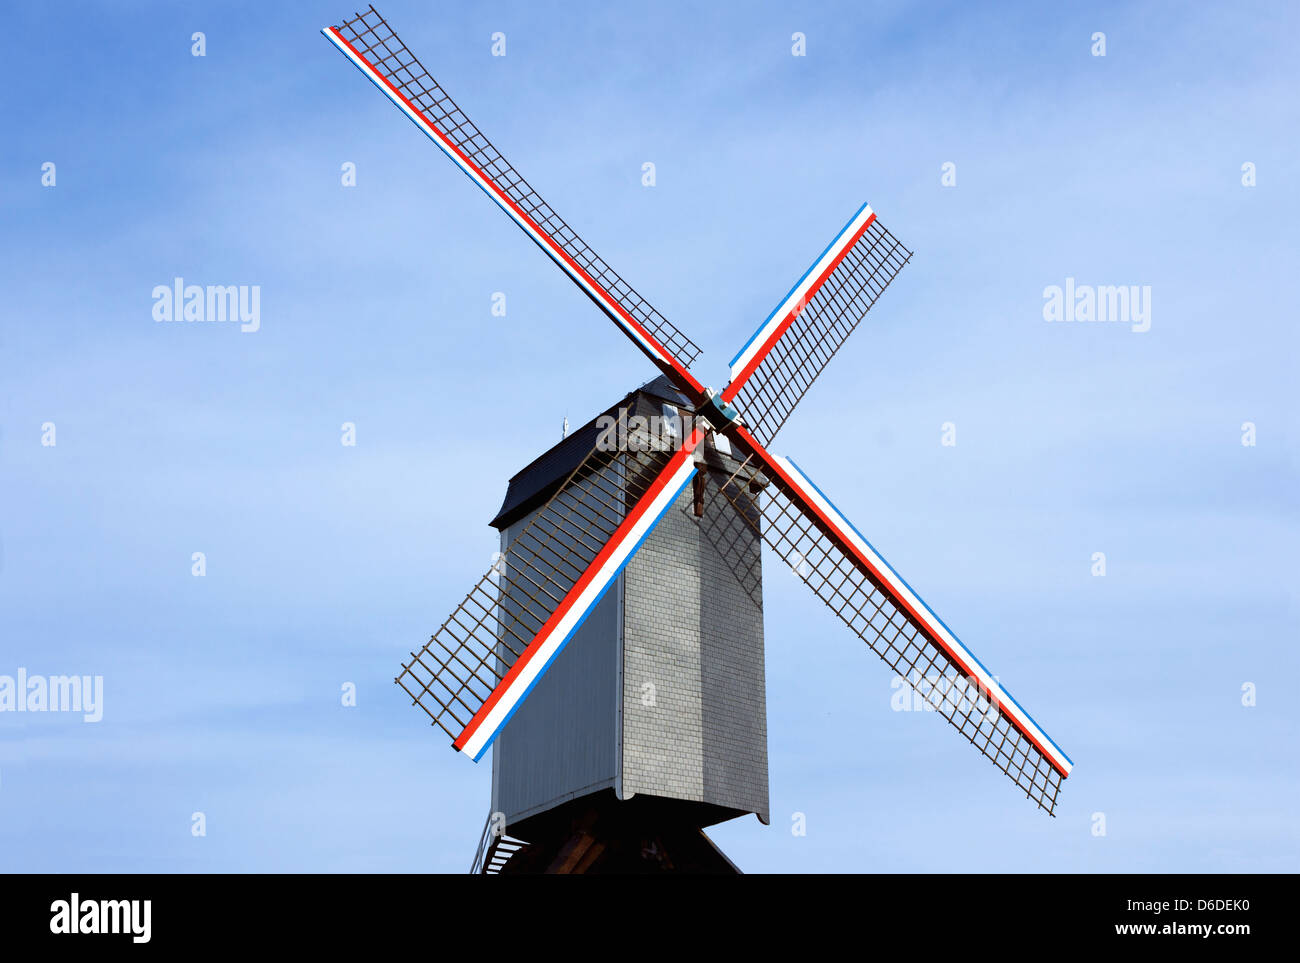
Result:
[[326, 564]]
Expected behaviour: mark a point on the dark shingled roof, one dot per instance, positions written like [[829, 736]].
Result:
[[535, 483]]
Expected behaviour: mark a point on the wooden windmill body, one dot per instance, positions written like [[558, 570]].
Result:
[[653, 725], [614, 655]]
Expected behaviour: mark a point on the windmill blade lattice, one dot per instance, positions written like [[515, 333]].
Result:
[[805, 530], [728, 531], [792, 347], [378, 52], [485, 658]]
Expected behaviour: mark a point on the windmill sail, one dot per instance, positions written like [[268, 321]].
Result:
[[484, 660], [379, 53], [823, 548], [778, 365]]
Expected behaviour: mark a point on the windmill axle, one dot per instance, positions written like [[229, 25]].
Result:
[[717, 412]]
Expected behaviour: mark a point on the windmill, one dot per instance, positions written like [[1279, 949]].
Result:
[[581, 520]]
